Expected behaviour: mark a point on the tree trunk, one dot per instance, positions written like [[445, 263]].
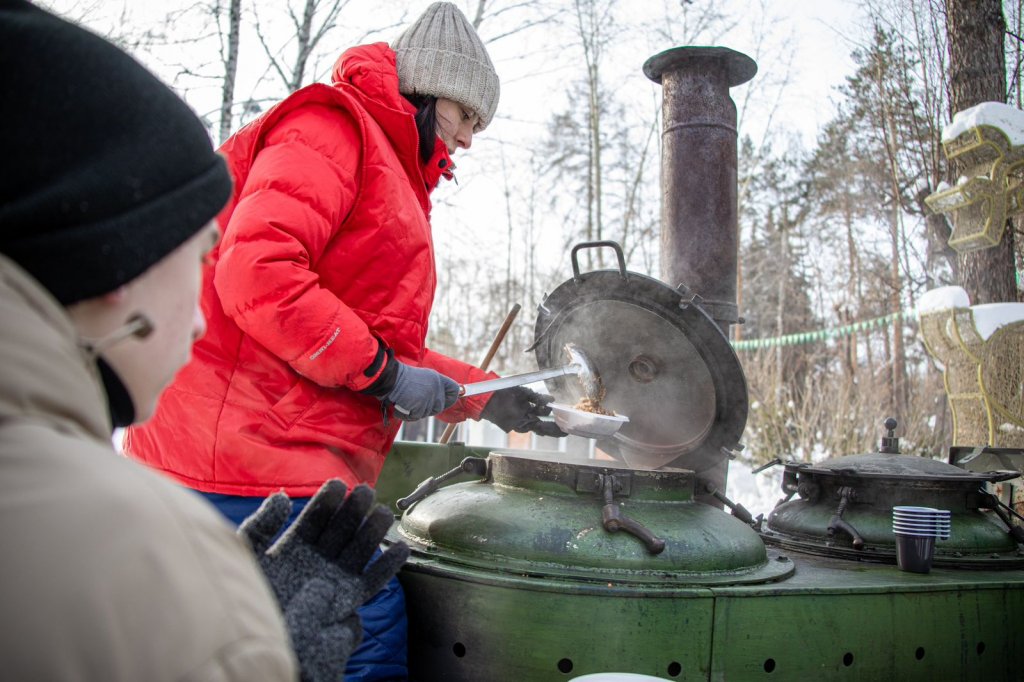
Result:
[[304, 47], [977, 71], [595, 134], [899, 360], [227, 97], [852, 293]]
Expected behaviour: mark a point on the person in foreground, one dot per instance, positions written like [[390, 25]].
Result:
[[108, 190], [319, 294]]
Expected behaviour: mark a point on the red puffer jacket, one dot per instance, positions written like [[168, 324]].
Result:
[[326, 244]]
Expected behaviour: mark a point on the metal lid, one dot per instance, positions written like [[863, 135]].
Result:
[[904, 467], [663, 362]]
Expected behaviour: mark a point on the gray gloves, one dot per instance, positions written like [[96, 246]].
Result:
[[419, 392], [318, 570], [416, 392]]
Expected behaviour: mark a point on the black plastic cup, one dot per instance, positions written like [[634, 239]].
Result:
[[914, 553]]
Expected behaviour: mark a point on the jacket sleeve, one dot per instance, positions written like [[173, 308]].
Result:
[[300, 188], [464, 373]]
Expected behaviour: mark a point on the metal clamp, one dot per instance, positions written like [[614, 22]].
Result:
[[614, 520], [846, 494], [992, 502], [737, 509], [470, 465]]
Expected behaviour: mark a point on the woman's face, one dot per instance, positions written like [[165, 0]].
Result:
[[455, 124]]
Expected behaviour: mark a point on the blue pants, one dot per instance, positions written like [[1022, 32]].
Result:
[[381, 655]]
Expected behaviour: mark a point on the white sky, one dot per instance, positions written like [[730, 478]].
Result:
[[807, 44], [817, 39]]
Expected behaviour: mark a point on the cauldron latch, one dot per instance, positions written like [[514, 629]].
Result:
[[737, 509], [614, 520], [470, 465], [990, 501], [837, 523]]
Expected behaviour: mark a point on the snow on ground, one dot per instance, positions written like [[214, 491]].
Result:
[[1007, 118], [989, 317]]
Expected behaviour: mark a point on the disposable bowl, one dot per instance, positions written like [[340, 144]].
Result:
[[586, 424]]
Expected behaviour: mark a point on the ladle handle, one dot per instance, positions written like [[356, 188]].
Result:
[[516, 380], [591, 245]]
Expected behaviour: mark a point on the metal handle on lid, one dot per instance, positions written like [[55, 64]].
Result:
[[591, 245]]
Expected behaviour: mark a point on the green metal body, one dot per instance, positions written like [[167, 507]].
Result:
[[831, 619]]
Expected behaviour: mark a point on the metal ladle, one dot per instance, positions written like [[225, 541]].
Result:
[[569, 419], [579, 364]]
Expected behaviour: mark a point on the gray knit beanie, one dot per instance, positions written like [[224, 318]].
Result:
[[441, 55]]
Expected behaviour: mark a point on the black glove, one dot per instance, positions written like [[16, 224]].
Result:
[[318, 570], [416, 392], [520, 409]]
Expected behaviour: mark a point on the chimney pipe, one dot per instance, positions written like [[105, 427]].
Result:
[[699, 229]]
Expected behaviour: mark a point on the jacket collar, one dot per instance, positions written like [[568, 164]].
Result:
[[370, 73], [47, 375]]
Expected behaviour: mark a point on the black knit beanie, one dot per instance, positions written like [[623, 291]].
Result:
[[103, 169]]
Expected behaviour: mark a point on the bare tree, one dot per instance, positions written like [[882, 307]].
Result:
[[314, 20], [229, 54]]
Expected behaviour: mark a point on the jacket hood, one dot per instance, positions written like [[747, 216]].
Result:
[[371, 71], [46, 375]]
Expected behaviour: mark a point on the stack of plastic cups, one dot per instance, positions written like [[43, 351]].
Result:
[[916, 530]]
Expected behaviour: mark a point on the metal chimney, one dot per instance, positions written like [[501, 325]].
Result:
[[699, 230]]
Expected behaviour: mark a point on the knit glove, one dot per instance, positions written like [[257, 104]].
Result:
[[520, 409], [318, 570], [416, 392]]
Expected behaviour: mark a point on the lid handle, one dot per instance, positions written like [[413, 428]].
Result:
[[592, 245], [890, 442]]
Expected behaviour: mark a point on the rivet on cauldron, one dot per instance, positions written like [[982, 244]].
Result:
[[644, 369]]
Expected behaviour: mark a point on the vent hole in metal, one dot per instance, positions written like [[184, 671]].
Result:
[[674, 668], [847, 659], [459, 649], [769, 665], [980, 648], [643, 369], [919, 654], [565, 665]]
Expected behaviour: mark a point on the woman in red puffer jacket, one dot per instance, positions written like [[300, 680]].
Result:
[[318, 295]]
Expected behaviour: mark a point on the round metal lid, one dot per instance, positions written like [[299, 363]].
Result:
[[905, 467], [663, 361]]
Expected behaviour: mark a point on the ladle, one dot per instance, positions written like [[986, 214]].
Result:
[[579, 364]]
